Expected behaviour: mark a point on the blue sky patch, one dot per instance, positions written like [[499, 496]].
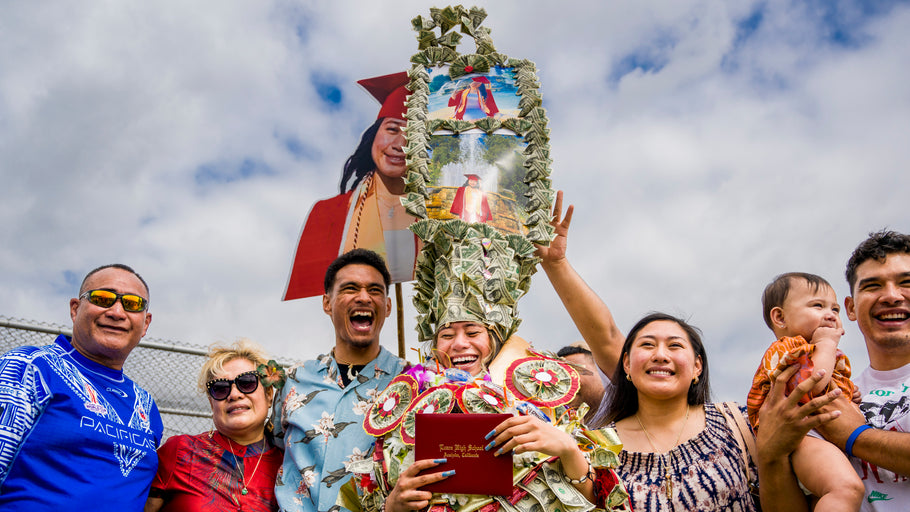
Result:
[[301, 32], [228, 172], [329, 91], [298, 149], [748, 26], [839, 24], [745, 29], [844, 22], [72, 281], [299, 18], [647, 59]]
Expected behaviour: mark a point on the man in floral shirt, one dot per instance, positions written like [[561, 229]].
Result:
[[324, 400]]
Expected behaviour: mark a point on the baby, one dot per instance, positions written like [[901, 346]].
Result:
[[803, 312]]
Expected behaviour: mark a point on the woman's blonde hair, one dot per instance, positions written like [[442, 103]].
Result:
[[219, 355]]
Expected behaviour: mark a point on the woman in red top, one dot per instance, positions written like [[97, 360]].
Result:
[[234, 465]]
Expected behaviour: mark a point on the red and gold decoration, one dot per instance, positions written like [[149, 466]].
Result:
[[390, 406], [543, 382], [484, 398]]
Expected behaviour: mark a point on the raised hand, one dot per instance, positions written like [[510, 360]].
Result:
[[557, 249]]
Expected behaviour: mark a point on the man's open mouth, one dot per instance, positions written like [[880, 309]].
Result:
[[362, 320]]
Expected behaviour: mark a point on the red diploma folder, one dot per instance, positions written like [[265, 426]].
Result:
[[459, 438]]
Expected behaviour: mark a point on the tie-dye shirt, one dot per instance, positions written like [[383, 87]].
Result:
[[706, 473]]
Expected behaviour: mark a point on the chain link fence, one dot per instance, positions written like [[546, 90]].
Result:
[[167, 369]]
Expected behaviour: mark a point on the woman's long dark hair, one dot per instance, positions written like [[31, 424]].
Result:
[[625, 396], [361, 162]]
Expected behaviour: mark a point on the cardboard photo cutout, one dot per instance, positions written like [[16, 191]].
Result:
[[368, 213]]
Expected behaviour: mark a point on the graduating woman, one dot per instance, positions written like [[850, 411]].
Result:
[[476, 365]]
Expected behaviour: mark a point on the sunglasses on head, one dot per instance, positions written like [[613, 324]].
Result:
[[107, 298], [220, 389]]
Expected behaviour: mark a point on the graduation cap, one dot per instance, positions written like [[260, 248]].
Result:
[[391, 93]]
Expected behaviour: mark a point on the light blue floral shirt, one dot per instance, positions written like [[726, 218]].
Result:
[[322, 424]]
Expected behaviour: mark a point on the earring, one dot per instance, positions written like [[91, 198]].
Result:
[[628, 378], [695, 380]]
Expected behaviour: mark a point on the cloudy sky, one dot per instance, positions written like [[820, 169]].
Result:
[[707, 146]]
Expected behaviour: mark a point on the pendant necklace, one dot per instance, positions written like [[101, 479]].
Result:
[[668, 484], [244, 491], [387, 203], [351, 373]]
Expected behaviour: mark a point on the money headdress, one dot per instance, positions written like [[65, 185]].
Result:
[[478, 245]]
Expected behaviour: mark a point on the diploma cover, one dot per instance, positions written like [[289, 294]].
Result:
[[459, 438]]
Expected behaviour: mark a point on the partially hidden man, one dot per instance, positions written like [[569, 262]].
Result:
[[75, 432]]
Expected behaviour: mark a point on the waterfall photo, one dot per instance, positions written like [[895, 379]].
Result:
[[478, 177]]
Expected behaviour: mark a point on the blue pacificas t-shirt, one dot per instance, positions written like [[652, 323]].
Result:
[[74, 434]]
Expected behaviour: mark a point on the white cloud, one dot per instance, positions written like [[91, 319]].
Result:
[[696, 181]]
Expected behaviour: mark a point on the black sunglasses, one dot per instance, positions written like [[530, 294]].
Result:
[[220, 389], [106, 298]]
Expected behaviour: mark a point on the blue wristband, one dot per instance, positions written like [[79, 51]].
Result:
[[852, 439]]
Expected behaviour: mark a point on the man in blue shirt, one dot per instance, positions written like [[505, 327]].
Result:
[[75, 432], [323, 401]]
